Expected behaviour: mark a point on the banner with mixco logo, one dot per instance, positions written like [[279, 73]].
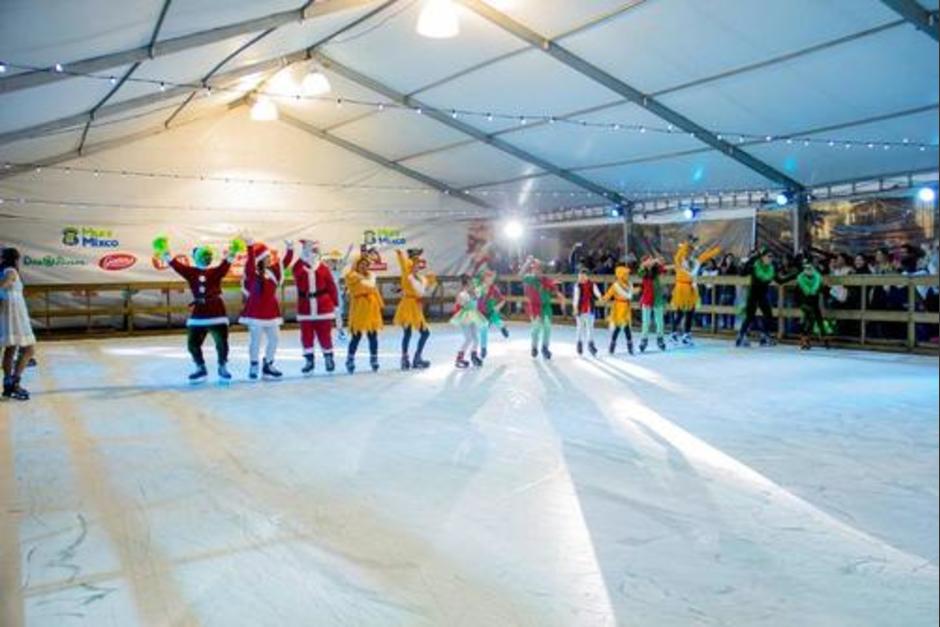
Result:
[[112, 251]]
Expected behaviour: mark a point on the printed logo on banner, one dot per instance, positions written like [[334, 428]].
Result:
[[116, 262], [53, 261], [372, 239], [89, 237]]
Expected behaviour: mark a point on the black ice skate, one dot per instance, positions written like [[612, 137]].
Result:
[[405, 363], [269, 371], [630, 348], [546, 353], [535, 352], [420, 363], [330, 363], [12, 389], [766, 340], [461, 363], [592, 348], [350, 364], [253, 370], [580, 348], [309, 364], [687, 340], [224, 374], [475, 360], [505, 332], [484, 353], [374, 362], [661, 343], [199, 374], [742, 341], [643, 344], [613, 347]]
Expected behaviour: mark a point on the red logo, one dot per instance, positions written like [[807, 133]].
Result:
[[117, 261]]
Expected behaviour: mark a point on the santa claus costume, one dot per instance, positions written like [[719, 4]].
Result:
[[262, 312], [416, 284], [207, 313], [586, 294], [620, 318], [317, 299], [540, 293]]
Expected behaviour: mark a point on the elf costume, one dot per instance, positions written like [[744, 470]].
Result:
[[620, 317], [207, 313], [685, 296], [809, 292], [416, 284], [365, 311], [490, 305], [317, 298], [760, 267], [540, 292], [262, 312], [652, 301], [586, 293]]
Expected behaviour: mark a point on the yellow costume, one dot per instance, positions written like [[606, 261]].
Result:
[[685, 294], [366, 304], [621, 293], [414, 288]]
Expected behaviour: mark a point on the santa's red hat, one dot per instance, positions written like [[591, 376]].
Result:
[[260, 251]]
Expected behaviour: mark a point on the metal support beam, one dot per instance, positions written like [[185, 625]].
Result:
[[146, 100], [801, 211], [92, 65], [629, 92], [922, 19], [446, 119], [385, 163]]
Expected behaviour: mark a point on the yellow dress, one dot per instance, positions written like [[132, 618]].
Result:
[[685, 293], [365, 307], [621, 314], [410, 311]]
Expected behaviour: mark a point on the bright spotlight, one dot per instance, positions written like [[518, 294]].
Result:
[[514, 230], [782, 200], [689, 213], [927, 194], [316, 84], [615, 212], [438, 20], [264, 110]]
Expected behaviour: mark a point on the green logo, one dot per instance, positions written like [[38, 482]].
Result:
[[52, 261]]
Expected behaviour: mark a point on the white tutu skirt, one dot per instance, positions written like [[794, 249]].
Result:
[[15, 327]]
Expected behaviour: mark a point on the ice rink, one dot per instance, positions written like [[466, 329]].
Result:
[[706, 486]]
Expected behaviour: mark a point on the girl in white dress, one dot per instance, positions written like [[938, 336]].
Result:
[[16, 331]]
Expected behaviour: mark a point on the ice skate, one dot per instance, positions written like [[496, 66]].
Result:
[[420, 363], [461, 363], [475, 360], [199, 374], [687, 340], [309, 364], [268, 370], [613, 347], [7, 387], [351, 365], [674, 337], [405, 363], [374, 363], [546, 353], [484, 353], [580, 348], [804, 343], [223, 372], [592, 348], [630, 347], [253, 370], [643, 344], [661, 343], [742, 341], [12, 389], [535, 352], [766, 340], [330, 362], [505, 332], [827, 343]]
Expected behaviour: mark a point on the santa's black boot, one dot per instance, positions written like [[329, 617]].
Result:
[[475, 359], [309, 364], [405, 362], [580, 348], [592, 348], [330, 362], [199, 374], [268, 370], [461, 363]]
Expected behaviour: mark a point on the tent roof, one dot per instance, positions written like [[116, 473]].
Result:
[[846, 69]]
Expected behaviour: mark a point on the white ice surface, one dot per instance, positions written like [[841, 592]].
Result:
[[699, 487]]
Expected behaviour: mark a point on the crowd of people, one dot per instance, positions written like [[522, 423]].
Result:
[[335, 290]]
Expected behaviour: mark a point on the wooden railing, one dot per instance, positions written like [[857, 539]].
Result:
[[132, 308]]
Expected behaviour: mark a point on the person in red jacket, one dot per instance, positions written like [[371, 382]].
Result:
[[317, 299], [207, 313], [262, 313]]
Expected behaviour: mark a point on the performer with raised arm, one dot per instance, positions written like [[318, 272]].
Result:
[[540, 292], [685, 296], [365, 310], [652, 300], [317, 298], [207, 314], [586, 294], [620, 318], [337, 262], [416, 284], [262, 312], [469, 319]]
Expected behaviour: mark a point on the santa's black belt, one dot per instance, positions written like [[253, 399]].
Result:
[[309, 295], [204, 300]]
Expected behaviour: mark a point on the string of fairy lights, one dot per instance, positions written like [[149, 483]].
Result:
[[490, 116]]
